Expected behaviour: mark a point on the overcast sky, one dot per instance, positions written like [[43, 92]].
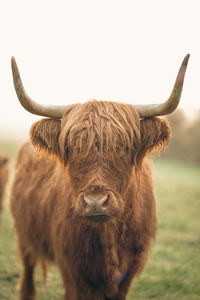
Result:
[[73, 51]]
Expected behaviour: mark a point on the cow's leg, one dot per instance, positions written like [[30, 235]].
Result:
[[68, 281], [79, 290], [136, 268], [27, 286], [118, 298], [89, 295]]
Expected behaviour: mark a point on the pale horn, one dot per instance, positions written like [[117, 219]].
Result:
[[145, 111], [53, 111], [171, 104]]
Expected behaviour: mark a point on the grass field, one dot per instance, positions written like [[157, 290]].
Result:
[[173, 269]]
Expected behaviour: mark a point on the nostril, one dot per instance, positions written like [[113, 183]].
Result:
[[84, 202], [105, 203]]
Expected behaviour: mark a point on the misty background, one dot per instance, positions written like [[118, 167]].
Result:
[[73, 51]]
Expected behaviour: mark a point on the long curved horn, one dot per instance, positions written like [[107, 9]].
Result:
[[53, 111], [171, 104]]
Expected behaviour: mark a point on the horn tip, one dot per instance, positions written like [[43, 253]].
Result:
[[183, 68], [13, 60], [15, 70], [185, 61]]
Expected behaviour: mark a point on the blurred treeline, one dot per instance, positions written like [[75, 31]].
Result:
[[185, 140]]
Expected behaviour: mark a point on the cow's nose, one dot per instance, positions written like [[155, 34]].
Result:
[[96, 205]]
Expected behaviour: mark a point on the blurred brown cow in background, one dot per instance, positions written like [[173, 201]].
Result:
[[83, 195], [4, 172]]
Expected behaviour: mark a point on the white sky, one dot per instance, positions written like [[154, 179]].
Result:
[[72, 51]]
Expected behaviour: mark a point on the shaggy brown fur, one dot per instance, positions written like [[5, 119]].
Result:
[[97, 148], [4, 171]]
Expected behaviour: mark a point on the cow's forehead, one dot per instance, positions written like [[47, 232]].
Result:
[[95, 110], [107, 125]]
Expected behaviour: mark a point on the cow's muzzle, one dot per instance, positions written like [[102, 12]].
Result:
[[96, 205]]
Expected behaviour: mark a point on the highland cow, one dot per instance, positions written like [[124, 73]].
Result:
[[4, 172], [83, 197]]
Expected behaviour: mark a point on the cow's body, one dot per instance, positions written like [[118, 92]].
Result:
[[97, 255], [4, 171]]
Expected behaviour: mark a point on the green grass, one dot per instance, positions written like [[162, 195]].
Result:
[[173, 268]]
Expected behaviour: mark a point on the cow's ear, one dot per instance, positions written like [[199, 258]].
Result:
[[44, 135], [155, 135]]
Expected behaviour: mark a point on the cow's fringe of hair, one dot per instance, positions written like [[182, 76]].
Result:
[[102, 127]]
